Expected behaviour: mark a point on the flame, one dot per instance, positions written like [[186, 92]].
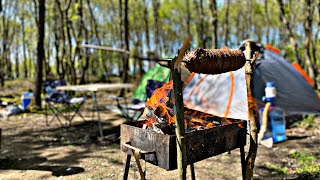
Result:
[[159, 96], [159, 110], [164, 112]]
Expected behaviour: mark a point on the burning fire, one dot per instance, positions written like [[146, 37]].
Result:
[[163, 117], [159, 96]]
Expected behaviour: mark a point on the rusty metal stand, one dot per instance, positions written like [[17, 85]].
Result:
[[126, 168], [243, 162], [193, 175], [136, 153]]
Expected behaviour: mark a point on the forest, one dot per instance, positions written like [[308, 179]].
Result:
[[46, 37], [87, 42]]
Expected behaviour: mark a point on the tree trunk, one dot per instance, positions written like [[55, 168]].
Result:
[[121, 24], [314, 48], [125, 65], [284, 20], [95, 25], [188, 18], [25, 67], [202, 34], [4, 47], [307, 42], [214, 13], [267, 20], [70, 29], [146, 25], [156, 6], [226, 25], [40, 53], [126, 40], [17, 64], [64, 66], [239, 26]]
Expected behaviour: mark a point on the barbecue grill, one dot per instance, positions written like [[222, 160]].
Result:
[[200, 145], [161, 149]]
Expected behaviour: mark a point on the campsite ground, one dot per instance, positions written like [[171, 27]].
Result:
[[32, 150]]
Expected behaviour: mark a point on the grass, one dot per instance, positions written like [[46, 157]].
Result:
[[277, 169], [307, 163], [307, 122]]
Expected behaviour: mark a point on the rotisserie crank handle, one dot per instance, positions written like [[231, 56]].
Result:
[[127, 145]]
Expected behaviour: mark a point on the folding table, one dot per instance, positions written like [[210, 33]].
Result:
[[94, 88]]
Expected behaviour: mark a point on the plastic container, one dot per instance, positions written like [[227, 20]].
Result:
[[278, 124], [26, 99]]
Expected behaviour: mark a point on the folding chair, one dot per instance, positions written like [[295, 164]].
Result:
[[133, 111], [63, 106]]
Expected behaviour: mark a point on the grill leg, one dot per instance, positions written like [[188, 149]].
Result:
[[126, 168], [193, 175], [243, 162]]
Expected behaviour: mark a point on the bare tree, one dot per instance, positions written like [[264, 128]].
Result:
[[226, 24], [214, 21], [146, 21], [25, 67], [266, 10], [287, 24], [156, 6], [126, 40], [40, 51], [188, 17], [308, 11]]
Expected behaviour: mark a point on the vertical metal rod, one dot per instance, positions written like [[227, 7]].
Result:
[[97, 109], [193, 174], [243, 162], [180, 129], [126, 168]]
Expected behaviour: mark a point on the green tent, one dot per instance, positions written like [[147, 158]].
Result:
[[157, 73]]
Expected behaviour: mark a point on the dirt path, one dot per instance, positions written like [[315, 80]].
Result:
[[32, 150]]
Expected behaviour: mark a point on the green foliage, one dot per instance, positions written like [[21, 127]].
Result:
[[308, 163], [307, 122], [277, 169], [247, 19]]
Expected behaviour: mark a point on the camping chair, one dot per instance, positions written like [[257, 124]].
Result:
[[134, 111], [61, 104]]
